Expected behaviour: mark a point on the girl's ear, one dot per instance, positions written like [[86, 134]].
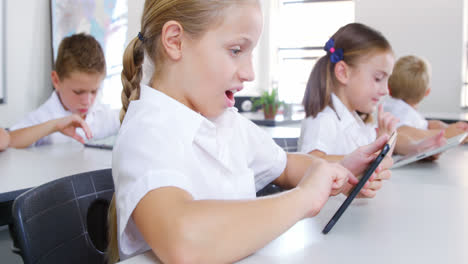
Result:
[[171, 39], [55, 80], [342, 72]]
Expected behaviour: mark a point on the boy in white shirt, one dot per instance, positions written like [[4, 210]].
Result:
[[408, 85], [79, 70]]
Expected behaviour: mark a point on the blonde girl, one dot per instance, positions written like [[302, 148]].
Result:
[[186, 165]]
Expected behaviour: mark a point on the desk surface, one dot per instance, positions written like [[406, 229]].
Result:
[[25, 168], [419, 216]]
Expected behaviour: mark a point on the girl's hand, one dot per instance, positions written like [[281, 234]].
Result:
[[321, 180], [67, 126], [386, 122], [358, 161]]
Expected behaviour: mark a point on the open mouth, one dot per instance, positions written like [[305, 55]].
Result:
[[230, 101], [230, 95]]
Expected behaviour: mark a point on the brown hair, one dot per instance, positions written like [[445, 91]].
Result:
[[196, 17], [410, 79], [79, 52], [356, 40]]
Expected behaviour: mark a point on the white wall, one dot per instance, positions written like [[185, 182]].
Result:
[[135, 9], [432, 29], [28, 58]]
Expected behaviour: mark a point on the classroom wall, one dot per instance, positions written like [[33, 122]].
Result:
[[433, 29], [28, 58]]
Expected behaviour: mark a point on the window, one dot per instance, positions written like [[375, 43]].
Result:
[[299, 31]]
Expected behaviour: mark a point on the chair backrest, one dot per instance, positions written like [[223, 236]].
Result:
[[65, 220], [288, 144]]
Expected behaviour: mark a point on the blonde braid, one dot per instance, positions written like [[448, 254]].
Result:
[[112, 254], [131, 74]]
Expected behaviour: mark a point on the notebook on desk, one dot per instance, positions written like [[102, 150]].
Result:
[[413, 157], [104, 143]]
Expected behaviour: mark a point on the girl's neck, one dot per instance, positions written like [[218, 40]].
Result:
[[344, 99]]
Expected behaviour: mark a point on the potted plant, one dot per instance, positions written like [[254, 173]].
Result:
[[269, 102]]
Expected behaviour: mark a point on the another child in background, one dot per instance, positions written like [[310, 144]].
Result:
[[186, 165], [79, 70], [345, 85], [409, 84], [4, 139]]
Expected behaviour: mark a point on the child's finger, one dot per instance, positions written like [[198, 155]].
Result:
[[85, 128], [375, 146], [379, 115], [78, 138], [384, 175], [367, 193]]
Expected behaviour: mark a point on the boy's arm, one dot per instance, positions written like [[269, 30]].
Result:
[[412, 140], [4, 139], [436, 124], [25, 137]]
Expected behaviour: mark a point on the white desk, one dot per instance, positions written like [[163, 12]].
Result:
[[419, 216], [25, 168]]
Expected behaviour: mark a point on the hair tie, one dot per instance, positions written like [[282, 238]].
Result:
[[335, 54], [140, 37]]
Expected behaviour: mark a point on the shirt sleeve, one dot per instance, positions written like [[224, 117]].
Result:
[[138, 170], [318, 134], [107, 122], [266, 158]]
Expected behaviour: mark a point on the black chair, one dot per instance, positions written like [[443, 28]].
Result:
[[289, 145], [65, 220]]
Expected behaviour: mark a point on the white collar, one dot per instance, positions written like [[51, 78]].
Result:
[[346, 117]]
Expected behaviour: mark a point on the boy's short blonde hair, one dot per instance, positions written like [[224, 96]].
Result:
[[410, 79], [81, 53]]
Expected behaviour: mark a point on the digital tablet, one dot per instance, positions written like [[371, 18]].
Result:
[[105, 143], [451, 143], [365, 177]]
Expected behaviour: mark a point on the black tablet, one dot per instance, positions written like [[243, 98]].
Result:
[[361, 183]]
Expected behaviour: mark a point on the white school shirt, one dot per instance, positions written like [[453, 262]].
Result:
[[164, 143], [333, 132], [102, 120], [406, 113]]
